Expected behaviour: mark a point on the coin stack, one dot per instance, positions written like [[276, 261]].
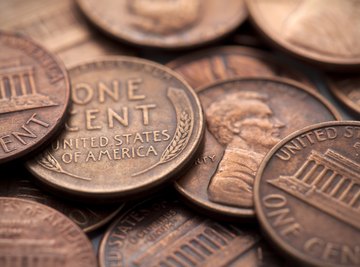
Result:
[[179, 133]]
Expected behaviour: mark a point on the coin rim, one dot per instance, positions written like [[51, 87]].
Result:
[[247, 212], [60, 122], [268, 230]]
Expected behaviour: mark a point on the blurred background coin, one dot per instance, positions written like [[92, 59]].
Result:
[[168, 24], [134, 125], [325, 32], [32, 234], [245, 119], [34, 95], [307, 194]]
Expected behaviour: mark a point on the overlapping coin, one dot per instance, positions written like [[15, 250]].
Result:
[[307, 194], [134, 125]]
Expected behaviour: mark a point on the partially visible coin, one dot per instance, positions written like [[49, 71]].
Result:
[[134, 125], [59, 26], [34, 95], [346, 88], [32, 234], [326, 32], [162, 232], [207, 66], [17, 182], [169, 24], [307, 194], [245, 119]]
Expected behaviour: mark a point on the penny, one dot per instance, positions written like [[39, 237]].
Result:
[[333, 43], [59, 26], [32, 234], [165, 23], [162, 232], [346, 89], [34, 96], [134, 125], [17, 183], [245, 119], [207, 66], [307, 194]]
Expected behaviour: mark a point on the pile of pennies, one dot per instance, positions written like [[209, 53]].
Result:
[[179, 133]]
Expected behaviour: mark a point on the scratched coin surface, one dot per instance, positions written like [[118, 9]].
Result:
[[326, 32], [346, 89], [32, 234], [59, 26], [307, 194], [165, 23], [207, 66], [134, 125], [17, 182], [162, 232], [34, 95], [245, 119]]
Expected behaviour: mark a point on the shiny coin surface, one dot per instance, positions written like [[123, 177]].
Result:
[[17, 182], [34, 95], [134, 125], [165, 23], [162, 232], [59, 26], [207, 66], [346, 88], [307, 194], [32, 234], [333, 42], [245, 119]]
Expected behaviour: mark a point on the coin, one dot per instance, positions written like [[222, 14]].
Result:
[[333, 43], [165, 23], [32, 234], [17, 183], [307, 194], [134, 125], [59, 26], [207, 66], [245, 119], [34, 95], [346, 89], [162, 232]]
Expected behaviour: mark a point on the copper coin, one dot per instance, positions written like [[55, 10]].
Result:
[[17, 182], [333, 42], [34, 95], [134, 125], [169, 24], [59, 26], [207, 66], [245, 119], [162, 232], [346, 88], [307, 194], [32, 234]]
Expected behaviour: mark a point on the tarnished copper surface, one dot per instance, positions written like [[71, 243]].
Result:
[[134, 125], [59, 26], [207, 66], [346, 88], [326, 32], [165, 23], [162, 232], [34, 95], [245, 119], [32, 234], [17, 182], [307, 194]]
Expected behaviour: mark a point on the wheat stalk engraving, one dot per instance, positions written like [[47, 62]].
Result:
[[49, 162], [177, 144]]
